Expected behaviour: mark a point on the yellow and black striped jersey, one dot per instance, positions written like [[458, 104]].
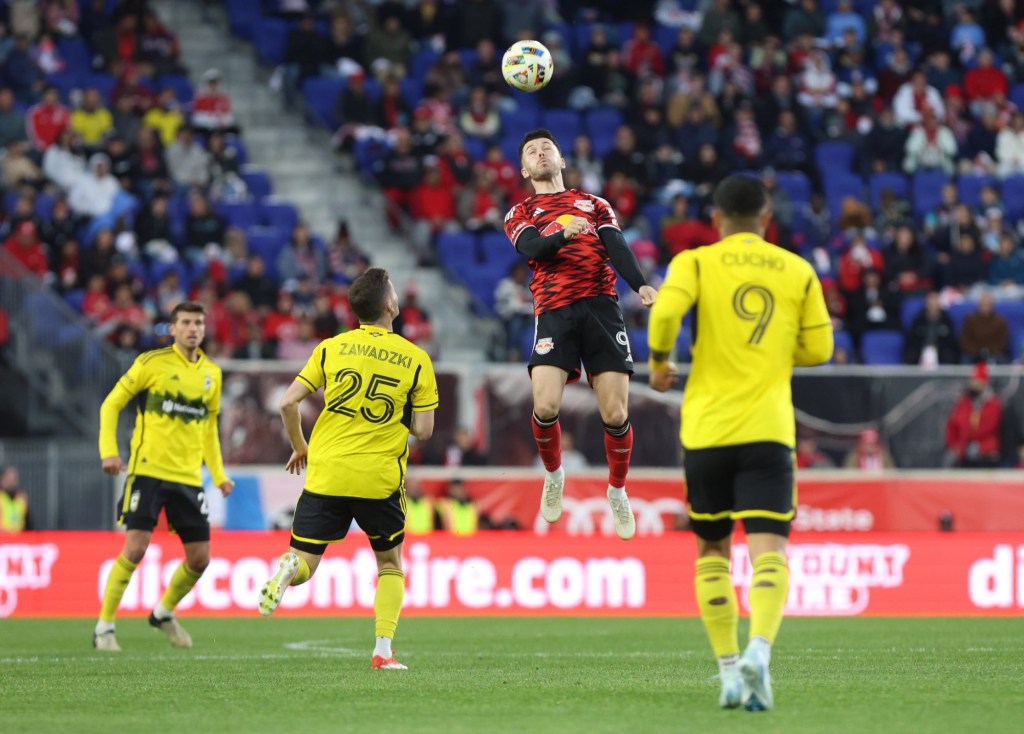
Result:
[[177, 405], [755, 307], [373, 381]]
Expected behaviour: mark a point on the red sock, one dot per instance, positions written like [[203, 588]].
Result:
[[618, 445], [548, 435]]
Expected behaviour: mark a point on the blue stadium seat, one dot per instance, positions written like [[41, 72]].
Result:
[[926, 191], [510, 149], [242, 152], [103, 82], [602, 142], [969, 188], [1012, 311], [498, 251], [796, 184], [909, 309], [833, 156], [638, 344], [241, 214], [879, 182], [1013, 196], [482, 279], [456, 249], [269, 37], [958, 312], [838, 186], [181, 85], [422, 61], [76, 54], [159, 270], [258, 182], [1017, 95], [267, 242], [844, 340], [321, 95], [64, 82], [1017, 341], [280, 214], [516, 122], [242, 16], [43, 314], [564, 124], [476, 148], [75, 298], [882, 347], [653, 213], [665, 37], [603, 120], [411, 90], [44, 205]]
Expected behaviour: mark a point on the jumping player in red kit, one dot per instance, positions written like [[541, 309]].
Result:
[[570, 238]]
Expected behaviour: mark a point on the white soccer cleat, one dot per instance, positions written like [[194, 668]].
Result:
[[732, 690], [622, 514], [273, 591], [551, 498], [757, 681], [174, 631], [105, 641]]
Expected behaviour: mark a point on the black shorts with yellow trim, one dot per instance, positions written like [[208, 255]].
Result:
[[752, 482], [186, 507], [321, 519]]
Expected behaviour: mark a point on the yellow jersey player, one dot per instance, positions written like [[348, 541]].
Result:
[[378, 388], [177, 394], [758, 311]]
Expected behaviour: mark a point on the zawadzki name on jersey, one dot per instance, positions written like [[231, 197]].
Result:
[[829, 578]]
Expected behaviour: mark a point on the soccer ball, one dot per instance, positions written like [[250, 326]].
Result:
[[527, 66]]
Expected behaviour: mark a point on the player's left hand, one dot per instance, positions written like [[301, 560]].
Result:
[[664, 377], [648, 295], [226, 487]]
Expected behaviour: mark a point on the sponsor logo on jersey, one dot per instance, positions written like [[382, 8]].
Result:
[[207, 382], [585, 205], [544, 345], [562, 222]]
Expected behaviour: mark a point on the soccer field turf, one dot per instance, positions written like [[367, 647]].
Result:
[[506, 675]]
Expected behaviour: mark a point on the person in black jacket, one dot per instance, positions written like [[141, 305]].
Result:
[[931, 335]]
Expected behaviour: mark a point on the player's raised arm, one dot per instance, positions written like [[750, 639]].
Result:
[[625, 263]]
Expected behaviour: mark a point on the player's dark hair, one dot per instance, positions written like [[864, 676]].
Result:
[[740, 196], [187, 307], [368, 293], [537, 135]]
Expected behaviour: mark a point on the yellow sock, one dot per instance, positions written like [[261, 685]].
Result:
[[387, 604], [716, 598], [302, 575], [120, 574], [182, 581], [769, 588]]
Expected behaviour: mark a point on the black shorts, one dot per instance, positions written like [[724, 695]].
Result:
[[186, 507], [591, 331], [321, 519], [753, 482]]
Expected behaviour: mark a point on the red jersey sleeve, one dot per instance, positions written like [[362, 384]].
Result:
[[516, 221], [604, 215]]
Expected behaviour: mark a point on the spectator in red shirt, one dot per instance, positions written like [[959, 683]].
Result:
[[622, 196], [211, 109], [281, 324], [974, 425], [642, 55], [432, 205], [500, 171], [26, 247], [124, 312], [130, 86], [984, 82], [857, 259], [46, 120], [96, 303], [681, 232]]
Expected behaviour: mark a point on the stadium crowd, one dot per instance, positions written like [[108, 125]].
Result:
[[895, 159]]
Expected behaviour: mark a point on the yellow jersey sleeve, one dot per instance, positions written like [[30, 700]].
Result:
[[424, 394], [212, 455], [313, 374], [815, 341], [675, 297], [132, 382]]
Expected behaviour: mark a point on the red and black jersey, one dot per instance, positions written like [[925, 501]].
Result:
[[580, 268]]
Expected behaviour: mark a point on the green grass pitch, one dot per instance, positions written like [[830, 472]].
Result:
[[532, 675]]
